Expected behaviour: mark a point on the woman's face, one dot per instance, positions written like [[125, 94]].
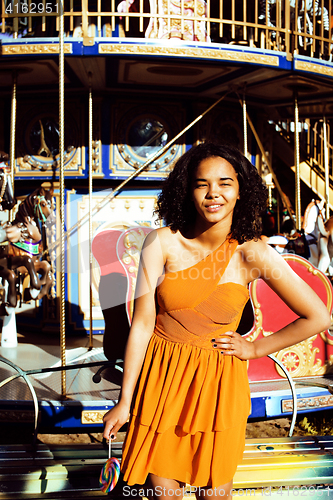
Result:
[[215, 190]]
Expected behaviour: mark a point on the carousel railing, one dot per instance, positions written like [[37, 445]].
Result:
[[312, 143], [291, 26]]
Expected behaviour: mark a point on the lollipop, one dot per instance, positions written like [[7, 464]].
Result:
[[110, 473]]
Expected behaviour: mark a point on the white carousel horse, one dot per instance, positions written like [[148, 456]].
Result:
[[319, 235], [325, 245], [311, 228], [164, 27]]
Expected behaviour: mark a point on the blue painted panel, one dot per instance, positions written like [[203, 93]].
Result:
[[258, 409], [66, 417], [232, 53], [274, 403]]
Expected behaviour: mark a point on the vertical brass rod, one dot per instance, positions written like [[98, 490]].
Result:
[[90, 214], [13, 134], [256, 20], [233, 31], [159, 20], [15, 27], [287, 28], [113, 19], [221, 18], [85, 20], [182, 24], [208, 17], [99, 20], [327, 175], [195, 23], [71, 19], [246, 154], [297, 168], [3, 19], [126, 17], [62, 196], [141, 17]]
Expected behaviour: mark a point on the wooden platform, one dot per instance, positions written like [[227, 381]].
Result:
[[300, 466]]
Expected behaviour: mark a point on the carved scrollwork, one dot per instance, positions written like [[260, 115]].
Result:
[[133, 242], [300, 359], [92, 417]]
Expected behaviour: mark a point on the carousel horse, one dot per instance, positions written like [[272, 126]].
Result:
[[160, 27], [7, 202], [325, 244], [27, 233], [319, 235], [308, 12], [311, 228]]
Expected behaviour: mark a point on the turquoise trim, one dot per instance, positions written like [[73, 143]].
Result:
[[27, 246]]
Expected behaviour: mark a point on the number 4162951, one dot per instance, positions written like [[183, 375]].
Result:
[[32, 8]]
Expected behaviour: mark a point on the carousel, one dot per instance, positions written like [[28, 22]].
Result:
[[98, 100]]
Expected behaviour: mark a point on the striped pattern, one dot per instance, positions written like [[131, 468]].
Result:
[[72, 471]]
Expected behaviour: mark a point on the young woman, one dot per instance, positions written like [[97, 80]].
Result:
[[186, 363]]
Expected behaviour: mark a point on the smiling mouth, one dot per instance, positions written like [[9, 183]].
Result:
[[213, 207]]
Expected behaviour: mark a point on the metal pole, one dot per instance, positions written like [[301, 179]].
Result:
[[327, 176], [297, 169], [90, 213], [246, 153], [62, 196], [12, 135]]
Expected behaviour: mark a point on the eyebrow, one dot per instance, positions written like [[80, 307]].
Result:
[[221, 179]]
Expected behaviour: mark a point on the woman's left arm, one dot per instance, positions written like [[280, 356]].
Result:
[[261, 261]]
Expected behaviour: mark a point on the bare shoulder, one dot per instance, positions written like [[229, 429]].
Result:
[[166, 237], [160, 241], [263, 261], [253, 247], [165, 234], [255, 250], [158, 236]]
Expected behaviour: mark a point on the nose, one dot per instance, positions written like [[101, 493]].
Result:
[[213, 191]]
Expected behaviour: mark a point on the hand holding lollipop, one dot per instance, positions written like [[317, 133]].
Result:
[[110, 473]]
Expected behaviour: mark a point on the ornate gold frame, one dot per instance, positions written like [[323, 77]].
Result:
[[300, 357]]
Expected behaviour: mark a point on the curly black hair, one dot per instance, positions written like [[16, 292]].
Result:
[[175, 203]]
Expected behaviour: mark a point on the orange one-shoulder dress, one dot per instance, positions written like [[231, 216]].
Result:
[[191, 404]]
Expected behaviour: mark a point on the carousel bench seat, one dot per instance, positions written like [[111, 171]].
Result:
[[72, 471]]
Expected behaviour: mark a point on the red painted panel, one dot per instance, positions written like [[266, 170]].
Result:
[[276, 314]]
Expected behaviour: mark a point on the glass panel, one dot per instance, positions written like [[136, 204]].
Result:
[[146, 136]]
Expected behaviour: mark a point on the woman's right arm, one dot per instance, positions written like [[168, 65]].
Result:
[[144, 317]]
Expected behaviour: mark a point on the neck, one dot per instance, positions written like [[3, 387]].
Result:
[[210, 235]]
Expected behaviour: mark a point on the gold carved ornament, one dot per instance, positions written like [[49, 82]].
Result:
[[92, 417], [36, 49], [298, 359], [234, 55], [199, 8], [133, 242]]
